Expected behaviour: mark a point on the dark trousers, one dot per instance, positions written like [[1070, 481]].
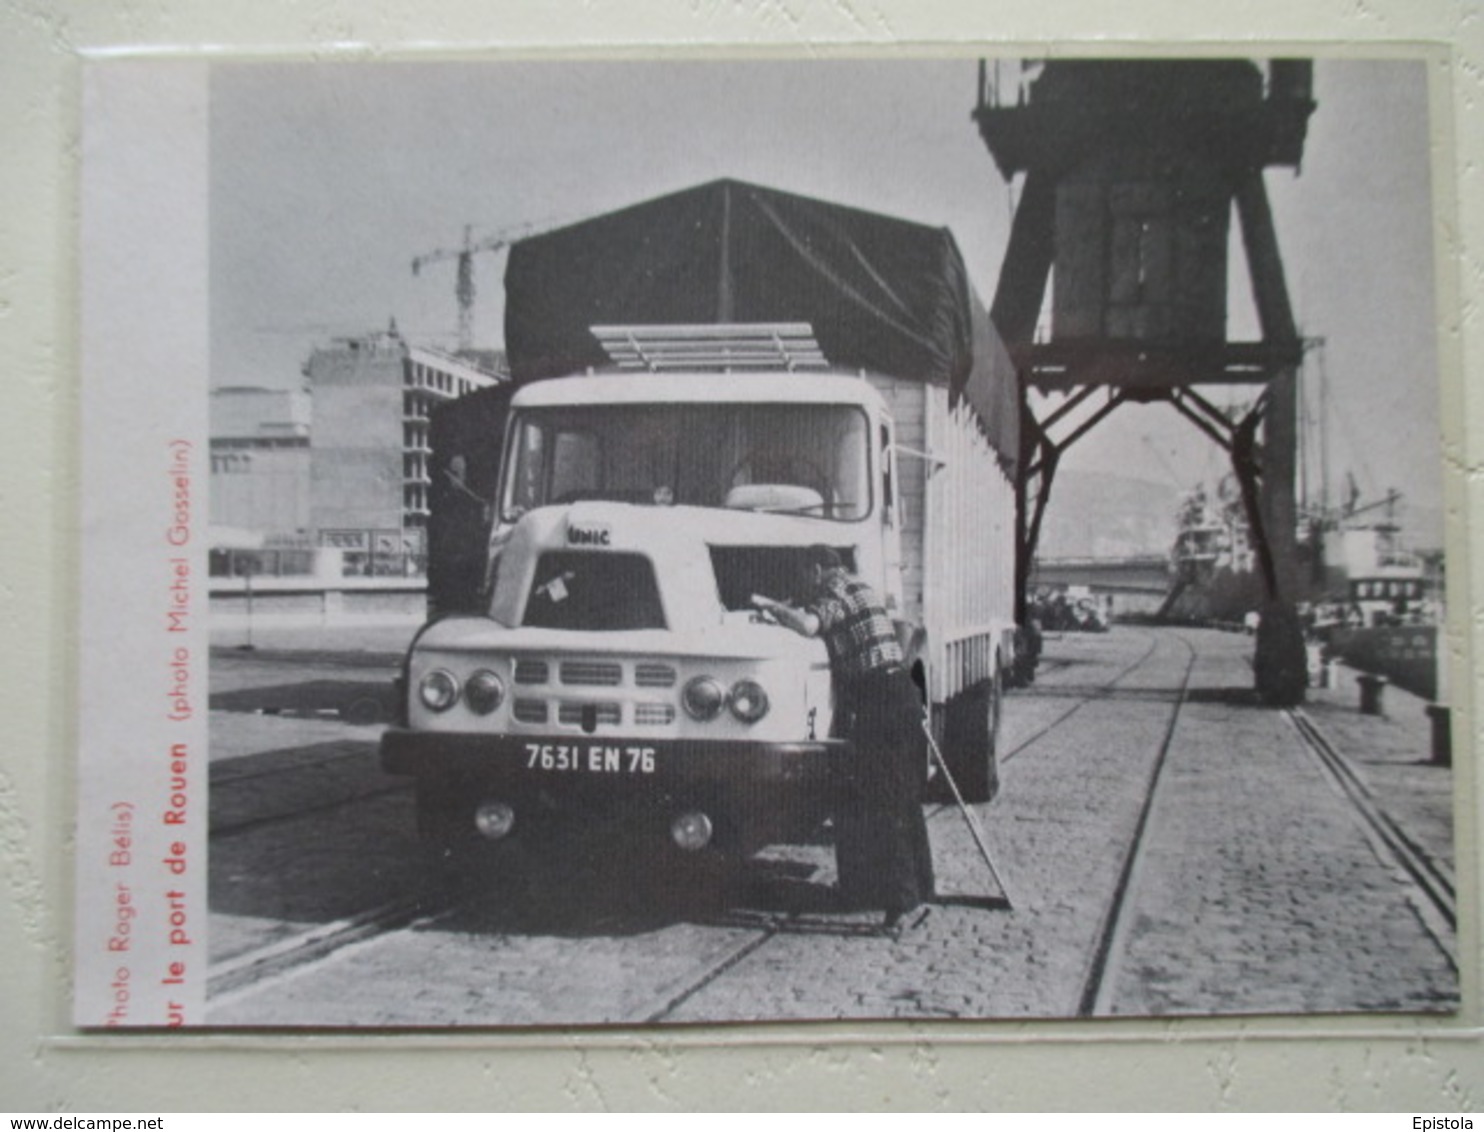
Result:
[[881, 843]]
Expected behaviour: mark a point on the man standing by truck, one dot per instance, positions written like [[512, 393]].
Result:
[[881, 845]]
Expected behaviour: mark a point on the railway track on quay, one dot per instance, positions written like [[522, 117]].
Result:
[[331, 779], [1109, 944], [1430, 884], [1082, 699], [295, 953], [1084, 829]]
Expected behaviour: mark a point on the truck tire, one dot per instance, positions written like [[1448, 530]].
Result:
[[971, 734]]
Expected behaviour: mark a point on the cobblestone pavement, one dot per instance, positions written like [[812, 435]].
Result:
[[1393, 753], [1069, 798], [1259, 892]]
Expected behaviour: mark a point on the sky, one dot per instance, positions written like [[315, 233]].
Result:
[[327, 179]]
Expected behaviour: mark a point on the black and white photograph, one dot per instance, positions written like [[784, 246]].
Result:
[[673, 541]]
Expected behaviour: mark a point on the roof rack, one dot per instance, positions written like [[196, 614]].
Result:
[[713, 346]]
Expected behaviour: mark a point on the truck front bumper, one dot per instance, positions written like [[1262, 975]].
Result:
[[755, 792]]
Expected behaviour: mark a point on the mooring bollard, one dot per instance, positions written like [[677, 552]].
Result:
[[1442, 734], [1437, 711], [1371, 688]]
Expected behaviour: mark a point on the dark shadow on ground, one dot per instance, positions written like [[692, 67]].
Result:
[[310, 834], [317, 834], [1102, 692], [618, 883], [321, 865], [293, 783], [350, 701], [344, 658], [1232, 697]]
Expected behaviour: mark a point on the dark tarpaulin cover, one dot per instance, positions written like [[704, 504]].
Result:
[[881, 293]]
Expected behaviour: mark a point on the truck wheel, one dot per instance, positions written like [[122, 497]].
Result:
[[971, 740]]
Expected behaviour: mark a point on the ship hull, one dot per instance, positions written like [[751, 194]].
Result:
[[1407, 655], [1218, 595]]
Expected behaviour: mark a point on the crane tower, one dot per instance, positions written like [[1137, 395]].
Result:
[[1130, 171]]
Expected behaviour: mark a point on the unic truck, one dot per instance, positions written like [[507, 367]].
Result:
[[704, 386]]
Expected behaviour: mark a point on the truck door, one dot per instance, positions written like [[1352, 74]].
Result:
[[466, 436]]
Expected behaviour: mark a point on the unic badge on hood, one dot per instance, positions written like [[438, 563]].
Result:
[[588, 533]]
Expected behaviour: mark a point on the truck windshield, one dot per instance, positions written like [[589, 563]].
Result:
[[784, 459]]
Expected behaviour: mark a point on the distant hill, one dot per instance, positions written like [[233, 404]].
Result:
[[1096, 515]]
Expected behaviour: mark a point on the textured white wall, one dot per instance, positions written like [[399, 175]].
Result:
[[1321, 1063]]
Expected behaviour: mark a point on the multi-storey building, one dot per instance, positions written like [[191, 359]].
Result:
[[259, 464], [369, 445], [353, 476]]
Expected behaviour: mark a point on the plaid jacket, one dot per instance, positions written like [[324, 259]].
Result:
[[855, 627]]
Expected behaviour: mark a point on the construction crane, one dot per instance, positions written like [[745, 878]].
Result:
[[464, 288]]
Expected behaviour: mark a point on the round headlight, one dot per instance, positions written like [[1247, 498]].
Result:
[[703, 698], [748, 701], [438, 691], [484, 692]]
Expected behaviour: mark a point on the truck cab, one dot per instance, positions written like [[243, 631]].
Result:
[[618, 666]]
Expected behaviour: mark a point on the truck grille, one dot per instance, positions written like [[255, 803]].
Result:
[[571, 714], [529, 711], [532, 672], [653, 715], [592, 673], [654, 676], [539, 708]]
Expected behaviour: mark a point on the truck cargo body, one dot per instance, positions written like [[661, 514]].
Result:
[[959, 519], [596, 650]]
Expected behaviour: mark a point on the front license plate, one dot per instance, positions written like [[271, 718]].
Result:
[[593, 758]]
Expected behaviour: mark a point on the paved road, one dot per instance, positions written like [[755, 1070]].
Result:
[[1257, 891]]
